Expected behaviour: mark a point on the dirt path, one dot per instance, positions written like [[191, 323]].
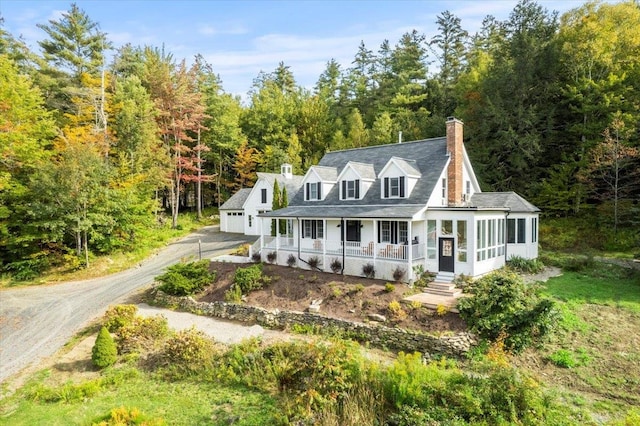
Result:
[[37, 321]]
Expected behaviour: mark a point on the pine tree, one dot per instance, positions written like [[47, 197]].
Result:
[[275, 204]]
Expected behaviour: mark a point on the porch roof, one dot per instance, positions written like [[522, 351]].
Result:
[[407, 211]]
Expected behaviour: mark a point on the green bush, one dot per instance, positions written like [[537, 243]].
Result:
[[249, 278], [128, 416], [526, 266], [183, 279], [105, 351], [142, 334], [118, 316], [187, 352], [502, 304]]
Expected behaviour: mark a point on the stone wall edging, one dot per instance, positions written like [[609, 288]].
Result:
[[377, 335]]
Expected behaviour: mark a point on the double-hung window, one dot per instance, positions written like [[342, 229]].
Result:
[[313, 191], [263, 195], [351, 189], [313, 229], [394, 187]]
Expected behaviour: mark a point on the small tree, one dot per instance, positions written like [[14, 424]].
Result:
[[275, 204], [105, 351]]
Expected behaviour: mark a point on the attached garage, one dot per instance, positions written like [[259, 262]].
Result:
[[232, 213], [231, 221]]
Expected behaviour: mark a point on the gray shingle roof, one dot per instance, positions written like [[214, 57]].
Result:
[[237, 200], [365, 171], [430, 157], [292, 185], [327, 174], [409, 167], [397, 212], [511, 200]]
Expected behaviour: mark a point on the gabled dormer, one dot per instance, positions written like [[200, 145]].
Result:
[[318, 181], [355, 180], [398, 178]]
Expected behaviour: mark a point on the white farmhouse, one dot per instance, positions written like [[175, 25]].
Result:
[[404, 205]]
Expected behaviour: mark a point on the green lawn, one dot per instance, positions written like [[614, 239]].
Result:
[[601, 284], [176, 403]]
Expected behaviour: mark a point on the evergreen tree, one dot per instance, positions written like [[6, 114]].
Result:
[[104, 352]]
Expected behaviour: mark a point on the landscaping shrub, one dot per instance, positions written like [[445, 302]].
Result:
[[128, 416], [502, 303], [336, 266], [526, 266], [256, 257], [118, 316], [389, 288], [422, 277], [291, 261], [105, 351], [308, 376], [233, 295], [398, 274], [142, 334], [249, 278], [187, 352], [183, 279], [271, 256], [396, 311], [368, 270], [314, 262]]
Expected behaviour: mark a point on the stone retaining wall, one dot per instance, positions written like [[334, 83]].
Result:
[[375, 334]]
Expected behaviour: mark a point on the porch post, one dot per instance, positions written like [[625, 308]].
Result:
[[277, 235], [261, 233], [375, 240], [409, 251]]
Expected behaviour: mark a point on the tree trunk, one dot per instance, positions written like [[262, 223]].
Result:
[[199, 182]]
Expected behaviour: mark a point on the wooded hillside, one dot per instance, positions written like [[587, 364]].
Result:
[[91, 153]]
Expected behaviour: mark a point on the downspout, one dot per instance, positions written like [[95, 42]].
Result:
[[299, 258], [506, 237], [344, 240]]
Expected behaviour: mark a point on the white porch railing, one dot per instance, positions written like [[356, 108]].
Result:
[[351, 248]]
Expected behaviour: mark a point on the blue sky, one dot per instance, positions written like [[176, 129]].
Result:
[[242, 38]]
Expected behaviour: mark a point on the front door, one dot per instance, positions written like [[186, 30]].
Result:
[[445, 259]]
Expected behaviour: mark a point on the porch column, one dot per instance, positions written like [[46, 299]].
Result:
[[277, 235], [261, 233], [375, 240], [409, 251]]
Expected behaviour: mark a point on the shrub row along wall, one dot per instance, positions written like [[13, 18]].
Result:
[[377, 335]]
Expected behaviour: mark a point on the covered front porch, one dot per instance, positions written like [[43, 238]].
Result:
[[387, 245]]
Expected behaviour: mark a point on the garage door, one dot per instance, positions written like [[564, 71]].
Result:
[[235, 222]]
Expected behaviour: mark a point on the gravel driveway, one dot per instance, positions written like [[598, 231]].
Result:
[[37, 321]]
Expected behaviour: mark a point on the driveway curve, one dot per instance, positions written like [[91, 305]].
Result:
[[35, 322]]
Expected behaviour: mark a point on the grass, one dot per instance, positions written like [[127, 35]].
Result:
[[178, 403], [602, 284], [592, 360], [149, 241]]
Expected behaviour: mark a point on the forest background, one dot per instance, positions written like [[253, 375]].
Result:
[[93, 155]]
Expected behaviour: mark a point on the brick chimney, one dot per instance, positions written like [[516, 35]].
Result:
[[454, 171]]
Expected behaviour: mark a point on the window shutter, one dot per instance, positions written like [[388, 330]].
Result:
[[344, 190], [357, 189], [319, 186], [308, 191], [386, 187], [379, 229], [402, 179]]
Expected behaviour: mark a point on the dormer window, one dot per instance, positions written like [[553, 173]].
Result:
[[394, 187], [350, 189], [313, 191]]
